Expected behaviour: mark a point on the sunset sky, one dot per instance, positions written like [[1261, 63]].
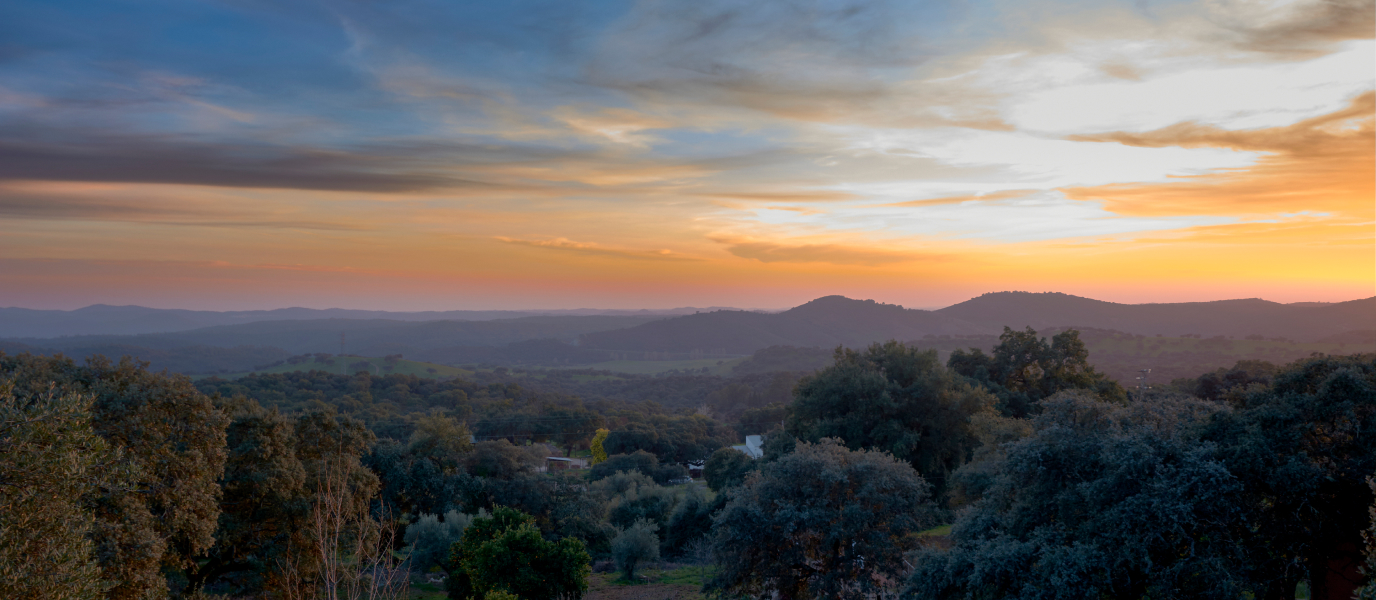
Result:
[[444, 154]]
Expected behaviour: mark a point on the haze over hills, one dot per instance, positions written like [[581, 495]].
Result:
[[586, 339], [835, 320], [104, 319], [1302, 321]]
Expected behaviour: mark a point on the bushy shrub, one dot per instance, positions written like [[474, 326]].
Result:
[[635, 545], [691, 521], [429, 538], [640, 461], [633, 497]]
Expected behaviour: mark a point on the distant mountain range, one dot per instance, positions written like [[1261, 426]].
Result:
[[583, 339], [104, 319], [836, 320]]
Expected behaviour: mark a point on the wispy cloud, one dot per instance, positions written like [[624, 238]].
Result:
[[836, 254], [590, 249]]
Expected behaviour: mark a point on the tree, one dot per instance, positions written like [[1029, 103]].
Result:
[[598, 453], [634, 545], [51, 464], [893, 398], [634, 497], [726, 468], [1368, 591], [352, 551], [505, 552], [1303, 448], [691, 521], [1101, 501], [172, 436], [265, 501], [429, 539], [822, 522], [442, 439], [640, 461], [1024, 369]]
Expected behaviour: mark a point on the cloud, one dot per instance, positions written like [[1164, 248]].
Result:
[[986, 197], [169, 159], [771, 252], [617, 125], [35, 202], [589, 249], [1326, 163], [1318, 135], [1303, 28], [784, 196]]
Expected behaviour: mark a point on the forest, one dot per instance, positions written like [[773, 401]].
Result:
[[1015, 469]]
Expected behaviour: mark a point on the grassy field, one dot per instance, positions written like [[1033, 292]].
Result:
[[675, 582], [376, 366]]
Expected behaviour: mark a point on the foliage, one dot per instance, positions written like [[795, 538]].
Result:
[[727, 468], [634, 497], [599, 453], [634, 545], [429, 538], [756, 421], [442, 439], [1303, 447], [1024, 369], [174, 439], [822, 522], [671, 438], [893, 398], [1102, 501], [501, 460], [691, 521], [640, 461], [265, 501], [1368, 591], [505, 552], [51, 464], [1226, 384]]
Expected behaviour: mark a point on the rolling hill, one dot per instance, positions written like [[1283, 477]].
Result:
[[835, 320]]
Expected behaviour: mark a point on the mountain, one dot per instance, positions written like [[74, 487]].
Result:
[[1304, 321], [825, 322], [103, 319], [836, 320]]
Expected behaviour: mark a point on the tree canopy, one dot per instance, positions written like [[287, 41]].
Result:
[[822, 522], [1024, 369], [894, 398], [504, 552]]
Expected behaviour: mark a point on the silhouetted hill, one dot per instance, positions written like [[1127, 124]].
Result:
[[1306, 321], [836, 320], [103, 319], [825, 323]]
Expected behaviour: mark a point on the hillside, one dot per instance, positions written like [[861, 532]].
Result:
[[835, 320], [825, 322], [1306, 321], [103, 319]]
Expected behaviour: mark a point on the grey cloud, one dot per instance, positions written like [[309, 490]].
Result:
[[152, 159], [1310, 30], [44, 206], [799, 59]]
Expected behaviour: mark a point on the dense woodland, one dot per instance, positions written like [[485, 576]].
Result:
[[1055, 481]]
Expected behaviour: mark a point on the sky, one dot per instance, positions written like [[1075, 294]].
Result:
[[436, 154]]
